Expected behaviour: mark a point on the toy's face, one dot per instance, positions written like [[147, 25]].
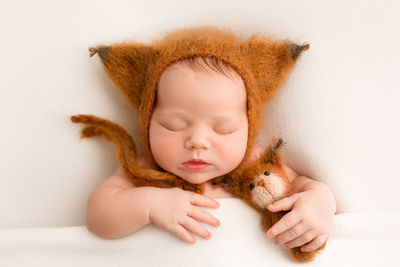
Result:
[[199, 127], [266, 188]]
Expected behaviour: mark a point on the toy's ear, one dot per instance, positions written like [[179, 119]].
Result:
[[127, 65], [272, 154], [270, 61]]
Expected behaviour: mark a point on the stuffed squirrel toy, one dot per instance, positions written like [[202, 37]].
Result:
[[135, 68], [261, 183]]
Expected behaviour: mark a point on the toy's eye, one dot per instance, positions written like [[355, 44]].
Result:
[[251, 186], [266, 173]]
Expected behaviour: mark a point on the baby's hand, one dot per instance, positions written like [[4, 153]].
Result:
[[178, 211], [309, 222]]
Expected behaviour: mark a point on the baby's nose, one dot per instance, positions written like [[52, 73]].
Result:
[[197, 140], [197, 143]]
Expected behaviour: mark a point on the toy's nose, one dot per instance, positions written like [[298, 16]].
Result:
[[260, 183]]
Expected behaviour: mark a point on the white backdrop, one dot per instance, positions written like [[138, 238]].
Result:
[[338, 111]]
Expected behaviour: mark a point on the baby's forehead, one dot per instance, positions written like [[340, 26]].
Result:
[[181, 86], [202, 65], [183, 76]]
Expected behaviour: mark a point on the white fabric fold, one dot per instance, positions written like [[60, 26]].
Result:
[[363, 239]]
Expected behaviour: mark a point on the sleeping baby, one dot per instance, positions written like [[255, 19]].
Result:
[[199, 122]]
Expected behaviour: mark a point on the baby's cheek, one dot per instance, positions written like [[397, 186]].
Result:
[[232, 149], [164, 149]]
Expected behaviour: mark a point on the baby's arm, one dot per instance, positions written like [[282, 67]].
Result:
[[313, 206], [117, 208], [110, 212], [309, 223]]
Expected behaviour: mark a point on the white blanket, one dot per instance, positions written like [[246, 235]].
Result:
[[358, 239]]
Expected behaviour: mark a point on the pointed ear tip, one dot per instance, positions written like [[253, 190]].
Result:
[[305, 47], [296, 49], [101, 50], [92, 50]]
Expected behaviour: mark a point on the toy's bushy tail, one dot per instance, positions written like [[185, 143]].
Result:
[[126, 153], [304, 257]]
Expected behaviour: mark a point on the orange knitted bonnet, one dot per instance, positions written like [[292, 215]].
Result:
[[262, 63]]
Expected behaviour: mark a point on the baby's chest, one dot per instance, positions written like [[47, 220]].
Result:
[[212, 191]]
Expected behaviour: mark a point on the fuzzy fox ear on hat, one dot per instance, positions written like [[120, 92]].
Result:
[[135, 68]]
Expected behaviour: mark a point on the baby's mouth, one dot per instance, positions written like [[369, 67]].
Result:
[[196, 164]]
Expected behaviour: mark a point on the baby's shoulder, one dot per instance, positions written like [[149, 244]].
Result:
[[118, 180]]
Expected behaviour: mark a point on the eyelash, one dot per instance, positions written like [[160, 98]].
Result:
[[169, 128], [222, 132], [215, 129]]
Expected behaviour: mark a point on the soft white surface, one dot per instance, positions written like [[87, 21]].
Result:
[[358, 239]]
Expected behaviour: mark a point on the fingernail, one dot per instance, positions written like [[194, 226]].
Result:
[[217, 223], [207, 235], [276, 242], [269, 234]]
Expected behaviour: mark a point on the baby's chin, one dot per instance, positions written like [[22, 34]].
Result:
[[197, 177]]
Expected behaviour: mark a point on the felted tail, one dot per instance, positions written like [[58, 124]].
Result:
[[124, 145], [126, 153]]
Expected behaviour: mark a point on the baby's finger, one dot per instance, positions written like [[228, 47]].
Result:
[[202, 201], [291, 234], [283, 204], [301, 240], [284, 224], [183, 234], [195, 227], [200, 214], [315, 244]]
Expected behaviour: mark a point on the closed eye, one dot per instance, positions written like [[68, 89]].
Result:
[[173, 125], [173, 128], [225, 129]]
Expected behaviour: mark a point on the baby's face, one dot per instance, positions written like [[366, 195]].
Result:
[[198, 129]]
